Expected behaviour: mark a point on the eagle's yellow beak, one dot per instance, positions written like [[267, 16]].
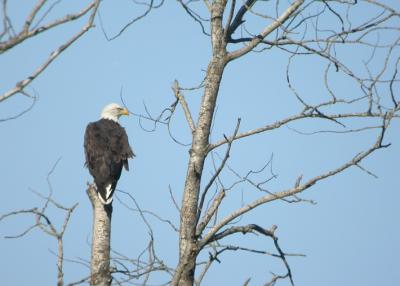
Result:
[[124, 111]]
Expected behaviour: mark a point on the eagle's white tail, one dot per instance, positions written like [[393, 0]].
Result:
[[107, 202], [108, 192]]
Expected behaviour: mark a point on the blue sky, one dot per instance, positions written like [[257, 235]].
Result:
[[349, 237]]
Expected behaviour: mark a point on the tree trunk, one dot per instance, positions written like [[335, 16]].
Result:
[[188, 248], [100, 260]]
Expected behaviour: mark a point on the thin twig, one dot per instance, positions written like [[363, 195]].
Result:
[[184, 105]]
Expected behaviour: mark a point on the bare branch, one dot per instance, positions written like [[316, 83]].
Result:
[[229, 20], [150, 7], [238, 20], [29, 108], [164, 118], [217, 201], [208, 5], [301, 115], [43, 222], [53, 55], [195, 16], [250, 229], [256, 251], [269, 29], [184, 105], [283, 194], [143, 212], [32, 15], [173, 199], [210, 212], [26, 33], [81, 281]]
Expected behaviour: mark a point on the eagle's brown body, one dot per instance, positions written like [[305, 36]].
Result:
[[107, 150]]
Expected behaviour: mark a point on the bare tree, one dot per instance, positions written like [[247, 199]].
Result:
[[297, 28], [286, 28]]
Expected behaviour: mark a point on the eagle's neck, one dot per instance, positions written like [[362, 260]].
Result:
[[109, 117]]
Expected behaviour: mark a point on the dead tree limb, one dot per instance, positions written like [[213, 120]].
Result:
[[101, 234]]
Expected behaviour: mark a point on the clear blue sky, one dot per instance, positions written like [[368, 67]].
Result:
[[350, 237]]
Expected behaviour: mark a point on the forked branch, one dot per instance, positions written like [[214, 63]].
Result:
[[267, 30]]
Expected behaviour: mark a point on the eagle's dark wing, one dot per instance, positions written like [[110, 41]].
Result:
[[120, 145]]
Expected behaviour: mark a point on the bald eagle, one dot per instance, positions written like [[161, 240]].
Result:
[[107, 150]]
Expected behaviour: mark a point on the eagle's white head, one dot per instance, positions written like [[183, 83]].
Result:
[[113, 111]]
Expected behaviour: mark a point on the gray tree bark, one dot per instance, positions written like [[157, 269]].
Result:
[[188, 245], [100, 259]]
